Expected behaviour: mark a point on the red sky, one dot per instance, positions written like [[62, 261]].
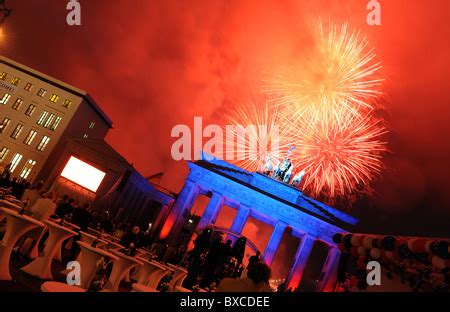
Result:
[[154, 64]]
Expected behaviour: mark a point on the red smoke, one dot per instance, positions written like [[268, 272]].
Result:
[[154, 64]]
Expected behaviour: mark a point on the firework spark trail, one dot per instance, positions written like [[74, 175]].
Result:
[[338, 79], [256, 136], [326, 109], [339, 158]]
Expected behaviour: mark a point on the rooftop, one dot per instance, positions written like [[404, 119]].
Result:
[[278, 190], [59, 84]]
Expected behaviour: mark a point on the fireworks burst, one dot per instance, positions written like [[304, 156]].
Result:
[[327, 110], [256, 136], [340, 157], [338, 79]]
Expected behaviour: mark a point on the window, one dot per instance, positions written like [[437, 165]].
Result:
[[15, 134], [43, 143], [28, 86], [3, 75], [17, 104], [5, 124], [42, 118], [15, 81], [27, 168], [92, 125], [56, 123], [15, 161], [41, 92], [30, 137], [67, 103], [30, 110], [49, 120], [5, 98], [3, 152], [54, 98]]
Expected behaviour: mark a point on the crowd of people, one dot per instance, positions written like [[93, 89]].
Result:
[[213, 262], [42, 204]]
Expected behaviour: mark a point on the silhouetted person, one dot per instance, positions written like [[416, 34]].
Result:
[[81, 217], [106, 224], [201, 243], [239, 249], [65, 208], [131, 237], [254, 259], [212, 262]]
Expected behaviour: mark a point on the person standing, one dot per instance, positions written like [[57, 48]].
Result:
[[65, 208], [32, 194], [44, 207], [81, 217]]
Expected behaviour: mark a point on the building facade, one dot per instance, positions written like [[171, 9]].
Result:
[[284, 208], [123, 191], [45, 122], [37, 114]]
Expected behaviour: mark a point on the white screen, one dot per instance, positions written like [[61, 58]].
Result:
[[83, 174]]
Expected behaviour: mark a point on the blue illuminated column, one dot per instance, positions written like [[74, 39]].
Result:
[[211, 211], [300, 260], [184, 203], [240, 219], [329, 271], [274, 242]]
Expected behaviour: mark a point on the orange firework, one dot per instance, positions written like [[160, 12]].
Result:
[[326, 110], [338, 157], [253, 135], [339, 78]]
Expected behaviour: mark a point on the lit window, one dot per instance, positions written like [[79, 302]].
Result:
[[85, 136], [49, 120], [15, 81], [27, 168], [42, 118], [5, 124], [30, 137], [56, 123], [17, 104], [54, 98], [67, 103], [3, 152], [28, 86], [41, 92], [3, 75], [43, 143], [15, 161], [17, 131], [30, 110], [5, 98], [92, 125]]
